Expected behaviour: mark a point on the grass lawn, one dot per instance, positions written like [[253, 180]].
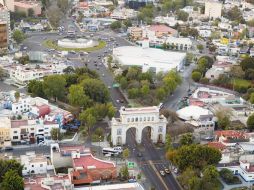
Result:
[[52, 45], [241, 82], [240, 188]]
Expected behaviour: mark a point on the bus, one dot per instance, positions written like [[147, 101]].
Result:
[[111, 151]]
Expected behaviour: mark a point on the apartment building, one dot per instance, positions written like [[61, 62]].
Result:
[[5, 28], [25, 6], [5, 126], [35, 164], [213, 9], [135, 33], [30, 130], [23, 74], [9, 4]]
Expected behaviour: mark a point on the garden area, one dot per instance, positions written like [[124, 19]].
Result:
[[147, 88], [228, 177], [53, 45]]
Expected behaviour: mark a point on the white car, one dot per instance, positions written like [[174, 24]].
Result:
[[162, 173], [118, 148]]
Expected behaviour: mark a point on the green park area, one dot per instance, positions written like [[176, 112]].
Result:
[[53, 45]]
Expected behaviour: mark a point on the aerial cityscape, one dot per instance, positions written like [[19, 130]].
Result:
[[126, 94]]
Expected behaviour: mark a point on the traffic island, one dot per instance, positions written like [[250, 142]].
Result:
[[53, 45]]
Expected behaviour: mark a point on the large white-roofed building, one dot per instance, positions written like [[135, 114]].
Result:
[[149, 58], [197, 116]]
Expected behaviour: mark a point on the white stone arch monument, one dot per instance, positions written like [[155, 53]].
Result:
[[138, 118]]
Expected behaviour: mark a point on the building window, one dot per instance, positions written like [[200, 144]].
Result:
[[140, 119], [119, 132], [152, 119], [15, 132], [160, 129], [148, 119], [15, 137], [144, 118], [32, 166], [132, 119], [128, 120], [136, 119], [41, 165]]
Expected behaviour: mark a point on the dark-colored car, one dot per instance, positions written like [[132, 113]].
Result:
[[8, 148]]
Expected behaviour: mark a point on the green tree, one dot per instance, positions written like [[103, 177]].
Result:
[[124, 172], [89, 117], [195, 156], [236, 71], [56, 134], [227, 175], [210, 178], [63, 5], [250, 122], [189, 57], [251, 98], [17, 96], [116, 25], [96, 90], [126, 153], [24, 60], [247, 63], [18, 36], [127, 23], [111, 110], [2, 73], [160, 93], [168, 142], [196, 76], [145, 90], [77, 96], [54, 15], [189, 180], [36, 88], [182, 15], [123, 82], [12, 181], [30, 12], [6, 165], [200, 47], [223, 117], [54, 86], [186, 139]]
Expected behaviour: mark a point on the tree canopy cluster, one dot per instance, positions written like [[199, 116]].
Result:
[[146, 87], [192, 160], [81, 88], [196, 156], [203, 64], [11, 175], [174, 5]]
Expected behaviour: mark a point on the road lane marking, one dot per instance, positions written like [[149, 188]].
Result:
[[157, 173]]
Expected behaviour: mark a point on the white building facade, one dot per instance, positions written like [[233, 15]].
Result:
[[139, 119], [34, 164], [213, 9]]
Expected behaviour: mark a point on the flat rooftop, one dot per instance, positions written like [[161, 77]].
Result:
[[151, 109], [138, 56], [123, 186], [89, 161]]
